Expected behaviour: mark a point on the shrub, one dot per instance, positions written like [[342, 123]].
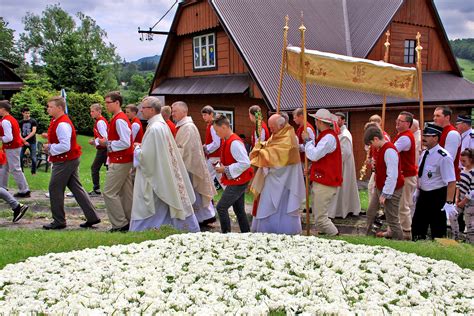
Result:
[[36, 100], [79, 110]]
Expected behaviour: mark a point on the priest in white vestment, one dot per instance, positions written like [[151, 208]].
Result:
[[278, 184], [189, 144], [163, 193], [347, 195]]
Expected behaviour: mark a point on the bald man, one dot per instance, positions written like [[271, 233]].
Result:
[[278, 184]]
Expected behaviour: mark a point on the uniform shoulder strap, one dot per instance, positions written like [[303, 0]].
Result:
[[442, 152]]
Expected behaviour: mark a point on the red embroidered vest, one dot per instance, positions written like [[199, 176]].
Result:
[[442, 143], [96, 130], [16, 142], [75, 151], [227, 159], [267, 133], [328, 170], [139, 137], [381, 168], [217, 152], [407, 158], [299, 131], [172, 127], [121, 156]]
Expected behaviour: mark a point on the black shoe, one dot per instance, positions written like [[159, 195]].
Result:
[[19, 211], [89, 224], [95, 193], [54, 225], [26, 194], [208, 221], [123, 229]]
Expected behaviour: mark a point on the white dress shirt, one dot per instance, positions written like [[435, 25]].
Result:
[[403, 144], [124, 133], [453, 141], [262, 135], [467, 139], [7, 131], [64, 133], [216, 142], [391, 162], [241, 157], [439, 166], [310, 135], [135, 129], [326, 145], [102, 129]]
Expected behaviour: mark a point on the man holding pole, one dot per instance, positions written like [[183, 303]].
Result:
[[326, 168]]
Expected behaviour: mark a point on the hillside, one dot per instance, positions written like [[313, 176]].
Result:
[[467, 67]]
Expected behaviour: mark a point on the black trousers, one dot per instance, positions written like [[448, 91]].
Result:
[[99, 160], [428, 213], [233, 195]]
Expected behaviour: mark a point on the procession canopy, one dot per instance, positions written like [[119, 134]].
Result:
[[352, 73]]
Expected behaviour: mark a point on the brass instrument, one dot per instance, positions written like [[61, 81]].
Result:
[[363, 170]]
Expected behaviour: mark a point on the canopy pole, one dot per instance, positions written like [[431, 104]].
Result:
[[283, 62], [419, 70], [385, 59], [302, 29]]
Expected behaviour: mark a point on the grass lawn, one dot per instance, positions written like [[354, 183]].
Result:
[[41, 180], [468, 68], [17, 245]]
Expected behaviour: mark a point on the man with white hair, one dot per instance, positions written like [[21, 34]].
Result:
[[279, 182], [190, 148], [326, 169], [163, 193], [415, 129]]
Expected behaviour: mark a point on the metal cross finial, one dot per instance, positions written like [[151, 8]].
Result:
[[418, 42], [287, 18], [387, 42], [302, 27]]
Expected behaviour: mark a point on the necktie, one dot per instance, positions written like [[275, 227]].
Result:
[[422, 165]]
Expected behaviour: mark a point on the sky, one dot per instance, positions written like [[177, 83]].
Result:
[[121, 19]]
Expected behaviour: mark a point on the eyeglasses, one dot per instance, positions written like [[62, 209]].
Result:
[[146, 107], [110, 101], [400, 121]]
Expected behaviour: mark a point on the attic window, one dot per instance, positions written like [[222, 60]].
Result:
[[409, 54], [204, 48]]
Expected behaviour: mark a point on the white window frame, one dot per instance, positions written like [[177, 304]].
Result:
[[207, 46], [228, 114]]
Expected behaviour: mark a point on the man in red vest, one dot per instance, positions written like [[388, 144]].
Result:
[[236, 174], [12, 144], [118, 190], [64, 153], [450, 138], [166, 113], [212, 146], [137, 128], [326, 168], [299, 121], [264, 132], [388, 183], [406, 146], [100, 131]]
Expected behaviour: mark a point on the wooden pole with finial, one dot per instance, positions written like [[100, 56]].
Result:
[[385, 59], [302, 29], [420, 78], [283, 61]]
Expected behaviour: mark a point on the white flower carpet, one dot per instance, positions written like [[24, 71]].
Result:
[[249, 274]]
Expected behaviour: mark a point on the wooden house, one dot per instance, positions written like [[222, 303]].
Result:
[[10, 82], [227, 53]]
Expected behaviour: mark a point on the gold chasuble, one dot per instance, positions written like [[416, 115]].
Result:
[[280, 150]]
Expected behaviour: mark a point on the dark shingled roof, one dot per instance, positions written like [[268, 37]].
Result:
[[227, 84], [347, 27]]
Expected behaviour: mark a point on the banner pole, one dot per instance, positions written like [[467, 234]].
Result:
[[419, 70], [283, 62]]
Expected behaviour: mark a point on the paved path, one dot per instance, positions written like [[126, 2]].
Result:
[[39, 214]]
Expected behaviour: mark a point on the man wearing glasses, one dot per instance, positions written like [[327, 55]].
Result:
[[406, 147], [118, 188]]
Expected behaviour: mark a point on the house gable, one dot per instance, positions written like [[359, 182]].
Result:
[[412, 17]]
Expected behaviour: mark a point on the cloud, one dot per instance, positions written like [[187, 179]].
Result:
[[457, 17], [121, 19]]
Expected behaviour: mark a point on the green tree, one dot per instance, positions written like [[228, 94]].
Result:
[[8, 48], [75, 56]]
